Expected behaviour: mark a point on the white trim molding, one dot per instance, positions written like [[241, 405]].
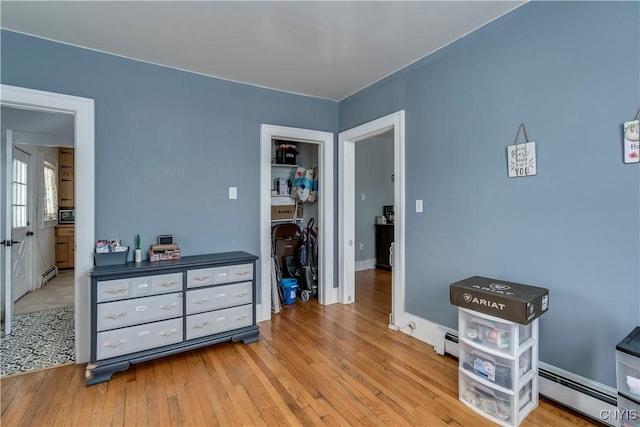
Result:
[[325, 141], [84, 131], [346, 210]]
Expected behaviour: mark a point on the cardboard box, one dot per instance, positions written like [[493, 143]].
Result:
[[285, 211], [507, 300]]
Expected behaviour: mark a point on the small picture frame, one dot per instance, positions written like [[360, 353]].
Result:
[[165, 239], [387, 211]]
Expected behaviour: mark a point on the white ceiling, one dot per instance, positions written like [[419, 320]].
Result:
[[326, 49]]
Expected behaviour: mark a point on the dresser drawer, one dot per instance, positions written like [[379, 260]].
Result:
[[138, 310], [240, 272], [218, 275], [213, 322], [109, 290], [138, 338], [200, 277], [216, 297]]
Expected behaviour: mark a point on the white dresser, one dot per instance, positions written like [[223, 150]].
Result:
[[142, 311]]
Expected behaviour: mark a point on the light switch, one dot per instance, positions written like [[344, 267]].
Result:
[[233, 193], [418, 205], [362, 197]]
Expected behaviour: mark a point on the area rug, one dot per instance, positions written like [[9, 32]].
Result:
[[39, 340]]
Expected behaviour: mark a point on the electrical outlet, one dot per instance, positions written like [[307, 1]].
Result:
[[361, 246], [412, 325]]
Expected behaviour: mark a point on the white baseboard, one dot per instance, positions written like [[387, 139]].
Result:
[[366, 264]]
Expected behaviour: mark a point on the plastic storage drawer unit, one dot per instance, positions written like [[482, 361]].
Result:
[[503, 408], [494, 334], [628, 412], [628, 366], [500, 371]]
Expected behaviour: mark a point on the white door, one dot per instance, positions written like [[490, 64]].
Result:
[[21, 223]]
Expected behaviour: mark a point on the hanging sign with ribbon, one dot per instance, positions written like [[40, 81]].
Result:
[[521, 158], [632, 140]]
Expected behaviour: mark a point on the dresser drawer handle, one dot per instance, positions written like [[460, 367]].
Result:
[[200, 325], [240, 294], [201, 278], [115, 291], [200, 301], [168, 333], [168, 284], [115, 316], [115, 344], [243, 273], [168, 307], [240, 317]]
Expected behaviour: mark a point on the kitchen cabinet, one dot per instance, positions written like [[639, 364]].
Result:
[[65, 245], [66, 173]]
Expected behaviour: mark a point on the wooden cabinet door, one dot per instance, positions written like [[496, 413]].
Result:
[[66, 172]]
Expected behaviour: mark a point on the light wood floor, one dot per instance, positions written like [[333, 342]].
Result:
[[314, 365]]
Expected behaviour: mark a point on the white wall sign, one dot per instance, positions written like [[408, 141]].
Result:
[[521, 159], [632, 141]]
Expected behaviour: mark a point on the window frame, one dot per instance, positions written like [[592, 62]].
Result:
[[44, 222]]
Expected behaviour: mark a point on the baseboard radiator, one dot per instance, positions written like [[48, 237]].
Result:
[[565, 388], [49, 274]]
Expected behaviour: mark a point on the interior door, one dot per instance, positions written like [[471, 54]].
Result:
[[7, 143], [20, 224]]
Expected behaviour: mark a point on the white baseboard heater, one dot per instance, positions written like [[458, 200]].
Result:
[[580, 394], [49, 274]]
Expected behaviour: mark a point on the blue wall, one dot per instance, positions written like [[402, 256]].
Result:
[[570, 72], [168, 143]]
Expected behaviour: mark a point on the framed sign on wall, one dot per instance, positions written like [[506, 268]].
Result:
[[521, 158]]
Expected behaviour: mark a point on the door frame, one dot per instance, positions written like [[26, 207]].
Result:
[[346, 210], [84, 144], [327, 294]]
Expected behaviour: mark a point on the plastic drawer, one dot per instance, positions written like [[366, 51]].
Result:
[[496, 335], [628, 373], [628, 412], [497, 370], [503, 408]]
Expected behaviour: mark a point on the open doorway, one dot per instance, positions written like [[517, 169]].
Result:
[[327, 294], [41, 331], [392, 124], [374, 221], [82, 111]]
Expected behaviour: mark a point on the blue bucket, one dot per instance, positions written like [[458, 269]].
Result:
[[290, 288]]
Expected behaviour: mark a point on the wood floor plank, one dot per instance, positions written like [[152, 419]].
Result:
[[335, 365]]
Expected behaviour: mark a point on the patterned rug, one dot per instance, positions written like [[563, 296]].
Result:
[[39, 340]]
